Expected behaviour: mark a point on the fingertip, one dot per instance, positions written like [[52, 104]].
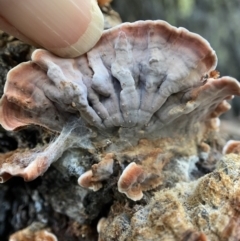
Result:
[[87, 39], [66, 28]]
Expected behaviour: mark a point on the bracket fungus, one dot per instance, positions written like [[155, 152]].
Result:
[[101, 171], [146, 92], [128, 182]]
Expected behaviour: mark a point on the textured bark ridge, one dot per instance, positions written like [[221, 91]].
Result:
[[135, 113]]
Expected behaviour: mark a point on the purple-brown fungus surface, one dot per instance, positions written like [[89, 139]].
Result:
[[147, 93]]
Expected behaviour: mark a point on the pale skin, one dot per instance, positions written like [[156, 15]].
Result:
[[68, 28]]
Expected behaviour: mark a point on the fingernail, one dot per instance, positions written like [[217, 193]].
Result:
[[67, 28]]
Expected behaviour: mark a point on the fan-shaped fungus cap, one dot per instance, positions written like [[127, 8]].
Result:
[[105, 85], [231, 147], [141, 74], [129, 181], [85, 180], [101, 171], [25, 164]]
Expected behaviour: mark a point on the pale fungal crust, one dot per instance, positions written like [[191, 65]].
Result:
[[144, 82], [22, 164], [35, 232], [42, 235], [29, 164]]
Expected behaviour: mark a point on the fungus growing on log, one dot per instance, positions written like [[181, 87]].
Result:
[[146, 92]]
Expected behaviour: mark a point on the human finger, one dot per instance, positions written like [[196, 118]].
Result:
[[67, 28]]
